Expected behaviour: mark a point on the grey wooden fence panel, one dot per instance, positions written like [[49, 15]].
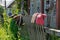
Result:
[[30, 29], [34, 30]]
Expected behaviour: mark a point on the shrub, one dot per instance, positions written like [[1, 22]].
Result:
[[1, 10]]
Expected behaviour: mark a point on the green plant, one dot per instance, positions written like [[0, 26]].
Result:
[[1, 15], [1, 10]]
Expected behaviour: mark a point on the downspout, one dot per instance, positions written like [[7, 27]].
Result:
[[42, 6], [58, 13], [28, 1]]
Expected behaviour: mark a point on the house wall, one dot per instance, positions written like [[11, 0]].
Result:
[[51, 15], [34, 6]]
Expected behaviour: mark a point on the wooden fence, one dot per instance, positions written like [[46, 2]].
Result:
[[35, 33]]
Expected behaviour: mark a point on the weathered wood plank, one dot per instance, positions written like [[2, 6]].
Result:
[[35, 32], [52, 31]]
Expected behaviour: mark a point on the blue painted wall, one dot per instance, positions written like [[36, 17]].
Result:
[[34, 6], [52, 14]]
